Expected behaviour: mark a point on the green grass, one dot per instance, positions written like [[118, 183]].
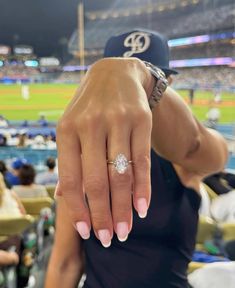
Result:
[[51, 99], [227, 108], [48, 99]]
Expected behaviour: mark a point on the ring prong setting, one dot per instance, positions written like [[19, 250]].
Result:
[[120, 163]]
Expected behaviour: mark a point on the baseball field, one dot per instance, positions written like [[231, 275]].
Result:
[[18, 103]]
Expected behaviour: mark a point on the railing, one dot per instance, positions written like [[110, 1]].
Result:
[[36, 157]]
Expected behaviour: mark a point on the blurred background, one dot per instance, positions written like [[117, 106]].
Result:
[[46, 46], [45, 49]]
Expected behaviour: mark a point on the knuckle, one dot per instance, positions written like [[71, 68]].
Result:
[[88, 121], [142, 162], [95, 187], [100, 220], [68, 183], [122, 207], [118, 115], [120, 180], [143, 115], [64, 126], [77, 214]]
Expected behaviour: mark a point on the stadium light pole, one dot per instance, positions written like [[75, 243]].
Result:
[[81, 42]]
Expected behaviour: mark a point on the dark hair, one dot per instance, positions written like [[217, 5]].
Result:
[[50, 163], [27, 174], [3, 168]]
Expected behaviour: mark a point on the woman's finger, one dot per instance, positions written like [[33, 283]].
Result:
[[70, 177], [120, 179], [140, 148], [96, 183]]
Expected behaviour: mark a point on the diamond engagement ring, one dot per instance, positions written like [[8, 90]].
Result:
[[120, 163]]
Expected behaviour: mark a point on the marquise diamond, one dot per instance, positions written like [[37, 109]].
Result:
[[121, 163]]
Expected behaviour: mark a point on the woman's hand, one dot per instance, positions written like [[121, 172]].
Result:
[[109, 115]]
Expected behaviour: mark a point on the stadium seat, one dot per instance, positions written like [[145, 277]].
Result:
[[206, 230], [33, 206], [194, 265], [15, 225], [228, 231], [51, 190], [211, 193]]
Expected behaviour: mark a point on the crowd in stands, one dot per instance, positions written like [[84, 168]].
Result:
[[22, 177], [41, 122], [18, 71], [23, 140], [205, 77], [121, 5], [20, 183], [22, 137], [219, 18], [69, 77], [208, 50], [192, 20]]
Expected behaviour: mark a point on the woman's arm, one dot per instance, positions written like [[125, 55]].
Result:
[[66, 263], [180, 138]]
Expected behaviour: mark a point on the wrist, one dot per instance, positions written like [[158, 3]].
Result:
[[145, 77]]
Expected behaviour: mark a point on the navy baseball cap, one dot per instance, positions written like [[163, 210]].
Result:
[[144, 44]]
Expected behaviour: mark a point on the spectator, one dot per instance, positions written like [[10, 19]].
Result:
[[38, 142], [13, 176], [42, 121], [23, 140], [49, 177], [229, 178], [217, 182], [25, 123], [10, 204], [50, 143], [3, 122], [27, 187], [3, 140]]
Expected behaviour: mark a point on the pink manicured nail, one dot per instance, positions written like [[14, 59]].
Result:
[[104, 237], [83, 230], [122, 231], [142, 207]]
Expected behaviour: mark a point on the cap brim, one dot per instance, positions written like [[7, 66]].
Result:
[[169, 71]]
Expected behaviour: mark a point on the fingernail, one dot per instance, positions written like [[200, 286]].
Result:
[[142, 207], [104, 237], [83, 230], [122, 231]]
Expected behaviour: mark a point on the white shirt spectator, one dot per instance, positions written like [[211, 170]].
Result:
[[47, 178], [216, 275], [3, 123]]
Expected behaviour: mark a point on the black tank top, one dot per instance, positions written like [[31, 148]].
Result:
[[159, 247]]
